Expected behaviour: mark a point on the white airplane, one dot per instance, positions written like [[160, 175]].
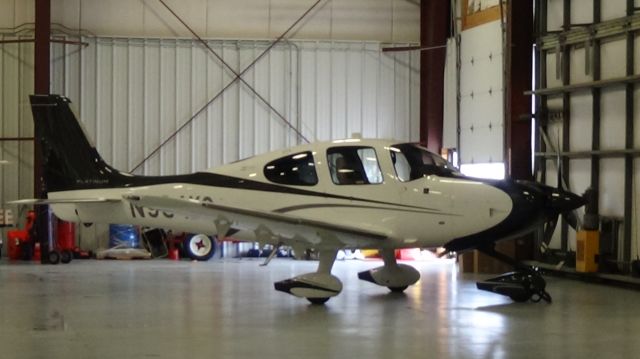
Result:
[[344, 194]]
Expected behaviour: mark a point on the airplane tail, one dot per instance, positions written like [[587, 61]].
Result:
[[70, 161]]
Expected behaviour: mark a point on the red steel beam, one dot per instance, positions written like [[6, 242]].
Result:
[[434, 29], [41, 50], [519, 64], [41, 62]]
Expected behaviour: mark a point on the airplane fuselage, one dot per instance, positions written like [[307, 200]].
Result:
[[427, 211]]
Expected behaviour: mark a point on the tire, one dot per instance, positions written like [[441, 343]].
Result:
[[318, 301], [398, 289], [66, 256], [520, 298], [199, 247], [54, 257]]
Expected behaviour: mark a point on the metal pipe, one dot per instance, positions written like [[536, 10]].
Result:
[[596, 100], [588, 154], [584, 85], [16, 41], [566, 116], [69, 42], [629, 144], [413, 48], [7, 139]]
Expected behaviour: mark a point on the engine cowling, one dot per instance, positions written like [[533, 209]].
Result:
[[394, 277]]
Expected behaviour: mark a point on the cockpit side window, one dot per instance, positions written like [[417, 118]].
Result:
[[412, 161], [296, 170], [353, 165]]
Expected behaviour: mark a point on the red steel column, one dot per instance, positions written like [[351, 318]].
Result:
[[41, 50], [41, 86], [434, 29], [41, 75], [519, 62]]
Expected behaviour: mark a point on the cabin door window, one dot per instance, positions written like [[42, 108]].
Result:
[[352, 165]]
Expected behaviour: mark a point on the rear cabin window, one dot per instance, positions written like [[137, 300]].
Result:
[[353, 165], [296, 170]]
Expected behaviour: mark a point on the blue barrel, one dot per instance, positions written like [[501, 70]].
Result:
[[124, 236]]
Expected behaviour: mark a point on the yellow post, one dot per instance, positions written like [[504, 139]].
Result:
[[588, 243]]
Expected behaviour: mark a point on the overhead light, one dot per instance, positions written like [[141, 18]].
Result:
[[4, 162]]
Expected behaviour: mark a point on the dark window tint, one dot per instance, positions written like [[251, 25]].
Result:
[[297, 170]]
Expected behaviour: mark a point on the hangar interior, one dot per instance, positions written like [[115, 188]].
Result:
[[156, 101], [535, 90], [143, 87]]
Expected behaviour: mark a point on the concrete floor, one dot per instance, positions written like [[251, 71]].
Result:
[[228, 309]]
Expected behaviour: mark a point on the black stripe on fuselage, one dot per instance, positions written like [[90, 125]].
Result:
[[336, 205], [224, 181]]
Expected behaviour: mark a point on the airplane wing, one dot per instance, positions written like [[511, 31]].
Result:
[[44, 201], [270, 227]]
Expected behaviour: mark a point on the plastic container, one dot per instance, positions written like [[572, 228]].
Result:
[[66, 236], [14, 246], [124, 236]]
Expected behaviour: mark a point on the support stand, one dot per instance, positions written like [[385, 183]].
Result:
[[525, 283]]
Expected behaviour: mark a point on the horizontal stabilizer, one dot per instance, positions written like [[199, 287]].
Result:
[[44, 201]]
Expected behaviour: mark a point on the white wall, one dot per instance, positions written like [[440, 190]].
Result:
[[481, 95], [132, 94], [379, 20]]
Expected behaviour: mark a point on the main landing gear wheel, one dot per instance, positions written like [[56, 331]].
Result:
[[398, 289], [199, 247], [318, 301]]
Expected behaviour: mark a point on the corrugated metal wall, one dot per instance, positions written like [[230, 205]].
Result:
[[16, 78], [132, 94]]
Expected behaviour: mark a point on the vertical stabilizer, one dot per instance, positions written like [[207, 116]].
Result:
[[70, 161]]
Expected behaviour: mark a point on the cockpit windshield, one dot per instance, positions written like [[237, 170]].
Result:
[[412, 161]]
